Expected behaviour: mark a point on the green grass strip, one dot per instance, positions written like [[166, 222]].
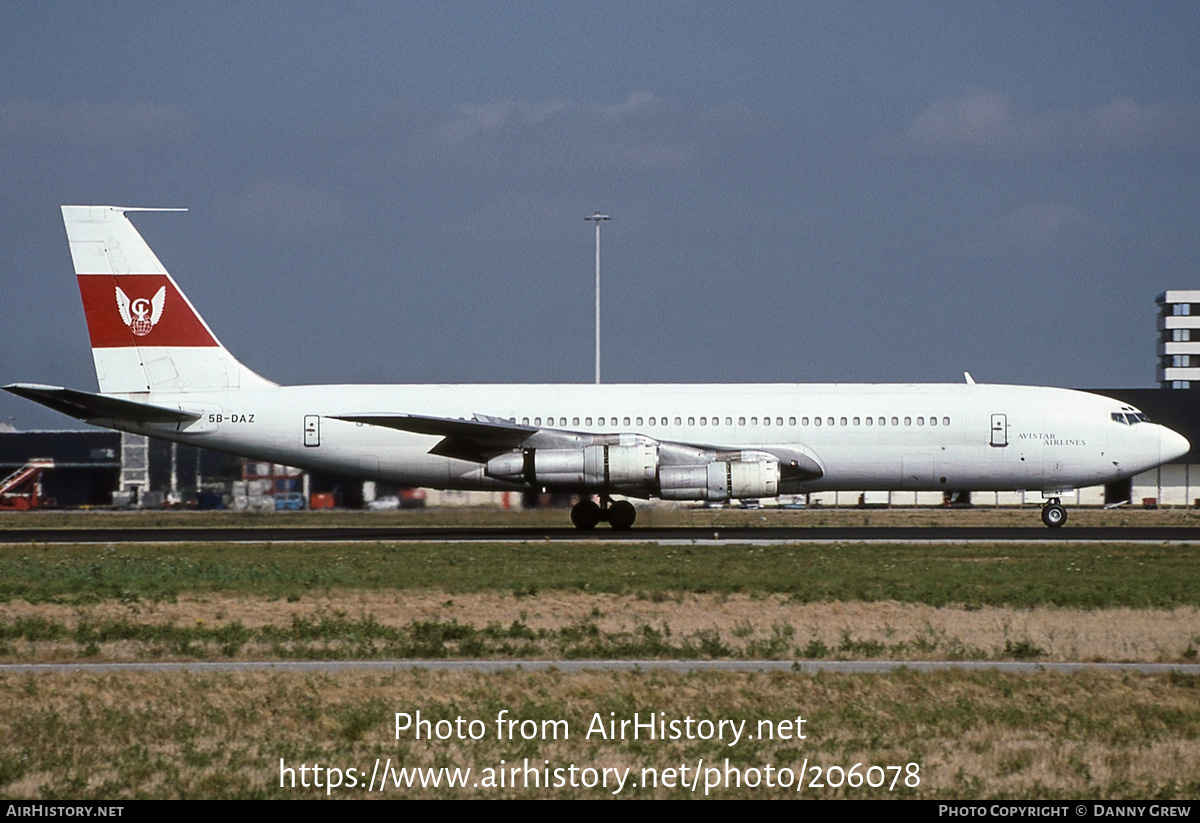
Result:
[[1083, 576]]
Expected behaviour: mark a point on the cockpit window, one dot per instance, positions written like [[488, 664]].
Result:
[[1129, 417]]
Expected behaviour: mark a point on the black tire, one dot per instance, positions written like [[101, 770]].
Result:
[[585, 514], [1054, 515], [621, 515]]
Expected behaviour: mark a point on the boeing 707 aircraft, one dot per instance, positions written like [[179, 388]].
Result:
[[162, 372]]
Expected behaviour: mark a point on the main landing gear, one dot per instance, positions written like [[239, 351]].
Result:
[[586, 514], [1053, 513]]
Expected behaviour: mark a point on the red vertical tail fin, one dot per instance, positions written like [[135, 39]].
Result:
[[146, 336]]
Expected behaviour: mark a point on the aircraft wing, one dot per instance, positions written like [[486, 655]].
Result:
[[483, 437], [477, 439], [489, 428], [84, 405]]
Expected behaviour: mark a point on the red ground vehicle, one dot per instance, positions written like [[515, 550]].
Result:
[[22, 490]]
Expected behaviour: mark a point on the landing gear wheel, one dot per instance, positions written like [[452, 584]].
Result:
[[1054, 515], [621, 515], [585, 514]]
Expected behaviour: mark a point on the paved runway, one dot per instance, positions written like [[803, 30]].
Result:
[[764, 534]]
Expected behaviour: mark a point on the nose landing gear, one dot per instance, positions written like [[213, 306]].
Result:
[[1053, 513], [586, 514]]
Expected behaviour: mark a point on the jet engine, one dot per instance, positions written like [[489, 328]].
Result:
[[720, 480], [631, 467], [637, 469]]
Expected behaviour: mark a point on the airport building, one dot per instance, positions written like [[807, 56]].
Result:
[[98, 469], [1178, 339], [69, 469]]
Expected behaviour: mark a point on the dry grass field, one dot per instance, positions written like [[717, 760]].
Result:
[[972, 735], [559, 625]]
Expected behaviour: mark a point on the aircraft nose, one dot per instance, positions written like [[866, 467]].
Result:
[[1172, 444]]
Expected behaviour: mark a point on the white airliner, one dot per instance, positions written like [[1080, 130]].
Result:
[[162, 372]]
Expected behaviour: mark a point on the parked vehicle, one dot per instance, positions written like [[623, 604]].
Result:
[[289, 501]]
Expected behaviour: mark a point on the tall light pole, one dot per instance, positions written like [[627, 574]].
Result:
[[598, 218]]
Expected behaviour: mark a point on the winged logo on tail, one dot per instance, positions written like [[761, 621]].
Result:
[[141, 315]]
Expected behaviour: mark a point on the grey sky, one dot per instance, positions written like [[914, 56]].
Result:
[[394, 192]]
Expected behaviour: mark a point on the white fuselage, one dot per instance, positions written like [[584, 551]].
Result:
[[864, 436]]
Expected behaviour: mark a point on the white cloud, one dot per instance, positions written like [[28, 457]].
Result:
[[280, 208], [1032, 227], [974, 120], [636, 103], [557, 136], [92, 123], [991, 123], [550, 136], [472, 120], [1124, 122]]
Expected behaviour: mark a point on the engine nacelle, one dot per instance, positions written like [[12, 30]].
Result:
[[592, 467], [720, 480]]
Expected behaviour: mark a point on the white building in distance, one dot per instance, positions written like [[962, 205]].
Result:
[[1178, 338]]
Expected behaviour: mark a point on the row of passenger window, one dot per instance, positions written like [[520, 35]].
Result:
[[754, 421]]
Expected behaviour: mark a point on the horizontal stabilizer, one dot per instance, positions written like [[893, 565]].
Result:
[[87, 406]]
